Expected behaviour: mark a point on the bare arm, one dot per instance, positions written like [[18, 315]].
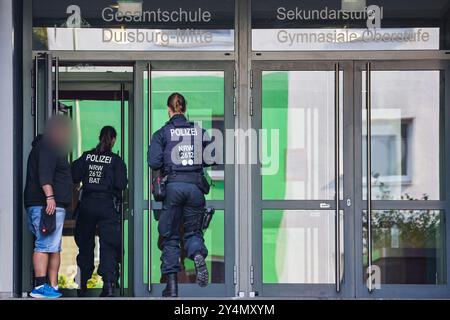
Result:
[[50, 197]]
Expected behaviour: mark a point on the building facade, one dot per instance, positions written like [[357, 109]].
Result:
[[307, 98]]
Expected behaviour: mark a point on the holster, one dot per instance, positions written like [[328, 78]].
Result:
[[159, 186], [206, 218]]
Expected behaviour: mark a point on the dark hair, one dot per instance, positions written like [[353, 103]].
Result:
[[177, 103], [107, 135]]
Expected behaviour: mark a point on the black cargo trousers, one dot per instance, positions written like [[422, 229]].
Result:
[[98, 215]]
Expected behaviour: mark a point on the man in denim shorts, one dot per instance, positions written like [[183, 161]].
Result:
[[48, 190]]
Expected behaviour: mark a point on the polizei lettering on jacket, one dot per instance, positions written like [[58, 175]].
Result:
[[182, 132], [98, 158]]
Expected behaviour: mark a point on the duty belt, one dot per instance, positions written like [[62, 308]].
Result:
[[184, 177]]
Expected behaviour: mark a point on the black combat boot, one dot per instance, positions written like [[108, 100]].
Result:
[[171, 289], [81, 292], [201, 270], [108, 289]]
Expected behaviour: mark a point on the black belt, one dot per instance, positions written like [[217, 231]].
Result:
[[184, 177], [98, 195]]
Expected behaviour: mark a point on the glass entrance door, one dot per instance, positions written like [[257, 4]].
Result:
[[95, 96], [303, 225], [400, 211], [208, 88], [393, 228]]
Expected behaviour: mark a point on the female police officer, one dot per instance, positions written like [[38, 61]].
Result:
[[177, 150], [103, 176]]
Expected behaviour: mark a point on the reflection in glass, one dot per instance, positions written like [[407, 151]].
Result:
[[299, 246], [300, 105], [407, 246], [406, 141], [204, 92]]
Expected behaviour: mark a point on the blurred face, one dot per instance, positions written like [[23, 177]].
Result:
[[113, 142], [60, 134]]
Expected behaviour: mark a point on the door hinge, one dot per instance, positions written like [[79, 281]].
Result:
[[234, 106], [251, 106], [234, 79], [251, 79], [235, 274], [252, 275]]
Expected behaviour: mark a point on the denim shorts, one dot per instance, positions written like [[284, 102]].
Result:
[[46, 243]]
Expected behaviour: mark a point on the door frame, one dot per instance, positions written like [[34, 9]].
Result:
[[347, 281], [45, 99], [405, 290], [142, 289]]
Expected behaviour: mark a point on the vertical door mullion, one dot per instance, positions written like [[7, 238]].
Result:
[[348, 208], [229, 198], [138, 210], [358, 180], [257, 187], [446, 101]]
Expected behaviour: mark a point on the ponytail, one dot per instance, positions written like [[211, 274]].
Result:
[[107, 136], [177, 103]]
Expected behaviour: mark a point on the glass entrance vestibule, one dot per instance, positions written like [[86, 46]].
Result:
[[348, 195]]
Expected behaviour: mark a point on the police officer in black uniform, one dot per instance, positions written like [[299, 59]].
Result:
[[103, 176], [177, 150]]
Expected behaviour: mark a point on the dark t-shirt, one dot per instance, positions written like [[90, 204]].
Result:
[[47, 165]]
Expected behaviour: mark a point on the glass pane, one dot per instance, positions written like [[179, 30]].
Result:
[[214, 240], [299, 246], [406, 137], [407, 246], [133, 25], [294, 25], [205, 96], [299, 106]]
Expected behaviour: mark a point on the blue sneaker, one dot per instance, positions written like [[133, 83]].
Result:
[[38, 292], [50, 292]]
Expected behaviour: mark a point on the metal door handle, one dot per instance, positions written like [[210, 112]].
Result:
[[36, 96], [369, 171], [149, 176], [122, 211], [49, 85], [56, 107], [337, 178]]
